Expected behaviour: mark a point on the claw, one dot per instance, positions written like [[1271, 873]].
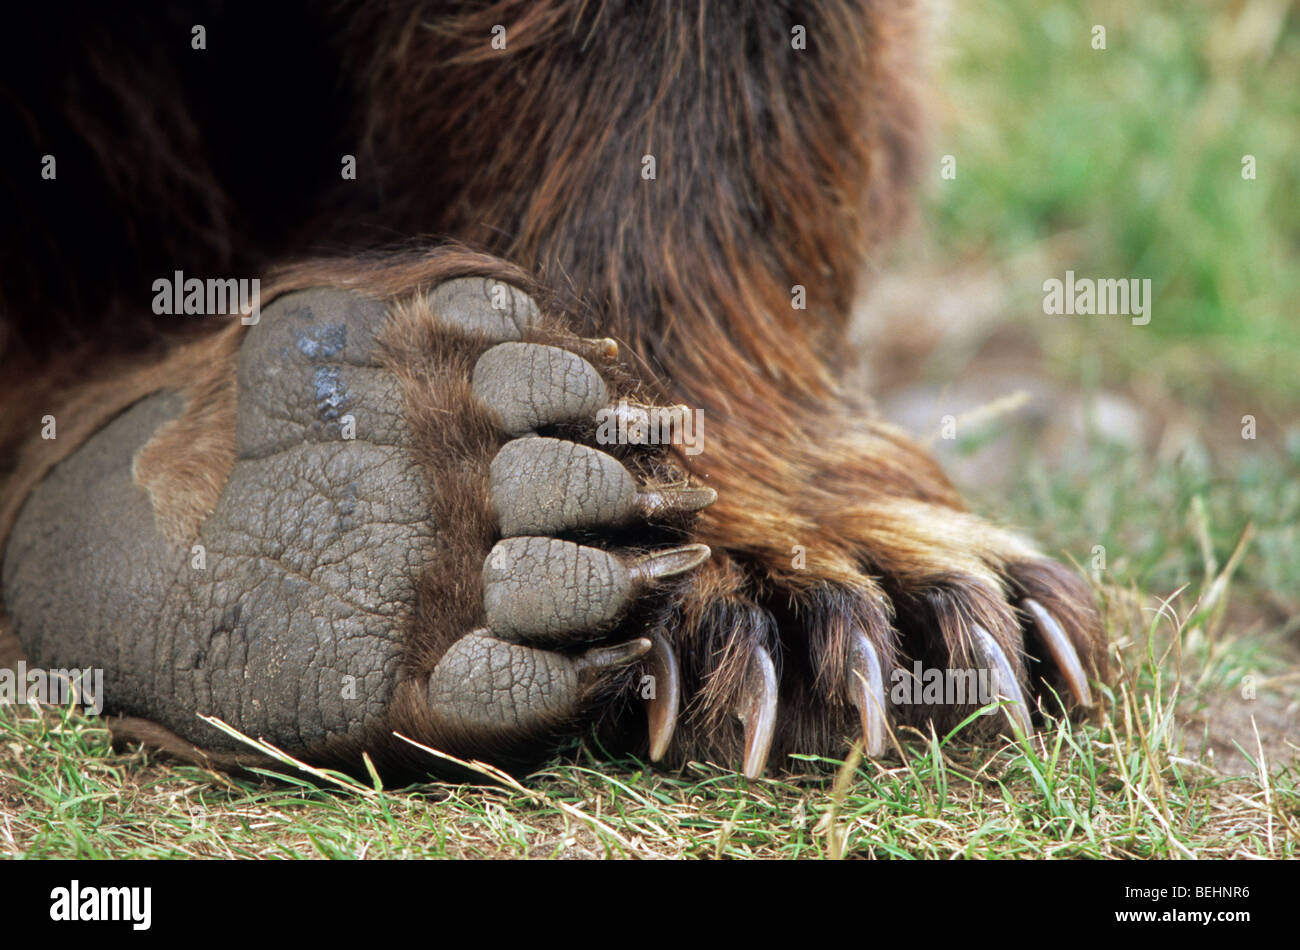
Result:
[[650, 568], [661, 707], [598, 659], [1004, 684], [756, 708], [1062, 650], [867, 692], [675, 499], [643, 421], [605, 346]]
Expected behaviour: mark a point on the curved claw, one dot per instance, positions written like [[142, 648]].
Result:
[[647, 569], [663, 501], [867, 692], [665, 699], [606, 347], [1005, 685], [1062, 651], [756, 708], [599, 660]]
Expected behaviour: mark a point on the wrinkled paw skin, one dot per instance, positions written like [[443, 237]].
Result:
[[363, 518], [402, 522]]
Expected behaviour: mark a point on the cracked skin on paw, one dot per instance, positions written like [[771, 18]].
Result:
[[408, 522]]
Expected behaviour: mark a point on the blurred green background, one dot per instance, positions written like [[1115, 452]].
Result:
[[1136, 152]]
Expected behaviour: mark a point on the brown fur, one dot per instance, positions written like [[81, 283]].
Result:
[[776, 167], [185, 465]]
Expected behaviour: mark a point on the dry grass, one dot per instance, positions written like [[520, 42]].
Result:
[[1121, 787]]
